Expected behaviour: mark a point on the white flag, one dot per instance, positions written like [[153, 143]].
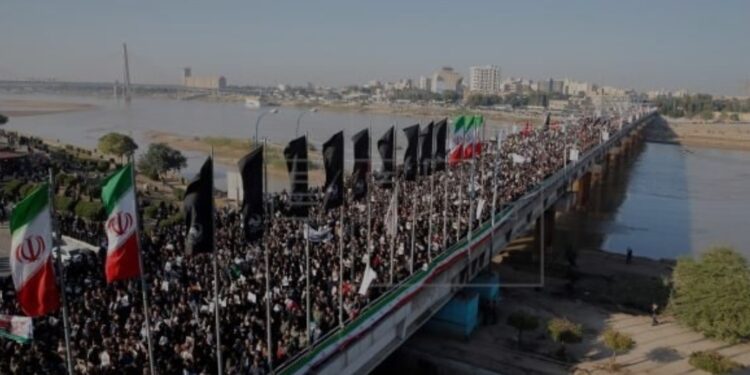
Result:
[[391, 217], [573, 154], [367, 279], [480, 207], [517, 159]]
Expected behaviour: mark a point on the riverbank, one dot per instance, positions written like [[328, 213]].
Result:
[[597, 304], [25, 107], [228, 151], [726, 136]]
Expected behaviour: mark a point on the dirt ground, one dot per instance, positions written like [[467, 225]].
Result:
[[735, 136], [597, 305], [21, 107]]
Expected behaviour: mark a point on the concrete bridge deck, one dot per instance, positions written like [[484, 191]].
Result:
[[386, 323]]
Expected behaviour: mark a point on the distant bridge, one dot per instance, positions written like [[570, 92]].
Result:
[[387, 322]]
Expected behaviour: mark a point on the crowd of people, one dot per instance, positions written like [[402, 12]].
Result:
[[108, 331]]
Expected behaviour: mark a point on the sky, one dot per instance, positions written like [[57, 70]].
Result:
[[698, 45]]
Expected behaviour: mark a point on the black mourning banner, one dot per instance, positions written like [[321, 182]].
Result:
[[199, 211], [361, 169], [425, 150], [251, 171], [295, 154], [411, 155], [333, 160], [387, 151], [441, 135]]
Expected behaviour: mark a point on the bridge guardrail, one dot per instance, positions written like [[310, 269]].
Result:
[[297, 362]]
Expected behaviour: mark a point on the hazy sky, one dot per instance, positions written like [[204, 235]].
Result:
[[642, 44]]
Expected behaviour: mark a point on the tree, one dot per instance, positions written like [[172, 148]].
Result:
[[159, 159], [617, 342], [3, 119], [522, 321], [713, 362], [734, 117], [116, 144], [711, 295]]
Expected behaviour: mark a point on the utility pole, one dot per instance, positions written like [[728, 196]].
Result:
[[126, 77]]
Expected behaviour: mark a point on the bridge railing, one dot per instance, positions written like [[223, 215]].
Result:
[[502, 217]]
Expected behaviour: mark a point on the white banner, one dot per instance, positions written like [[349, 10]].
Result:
[[367, 279], [17, 328]]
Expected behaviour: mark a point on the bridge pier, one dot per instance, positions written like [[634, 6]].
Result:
[[582, 189]]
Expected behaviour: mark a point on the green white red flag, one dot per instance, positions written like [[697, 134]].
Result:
[[118, 197], [31, 254], [457, 141], [16, 328]]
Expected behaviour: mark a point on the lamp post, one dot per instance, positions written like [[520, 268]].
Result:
[[257, 122], [299, 118]]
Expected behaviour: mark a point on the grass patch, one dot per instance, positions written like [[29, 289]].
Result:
[[713, 362]]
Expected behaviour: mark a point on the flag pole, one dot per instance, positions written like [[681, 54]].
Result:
[[394, 164], [61, 271], [369, 210], [144, 285], [219, 362], [432, 191], [495, 179], [269, 340], [413, 226], [472, 172], [307, 266]]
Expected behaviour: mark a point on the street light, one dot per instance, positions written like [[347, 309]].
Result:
[[299, 118], [257, 122]]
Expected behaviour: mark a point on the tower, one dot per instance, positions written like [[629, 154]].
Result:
[[186, 73], [126, 91]]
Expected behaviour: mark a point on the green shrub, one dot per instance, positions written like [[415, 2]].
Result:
[[522, 321], [617, 342], [89, 210], [63, 203], [710, 294], [713, 362], [564, 331]]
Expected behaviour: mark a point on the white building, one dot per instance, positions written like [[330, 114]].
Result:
[[575, 88], [425, 83], [203, 82], [485, 79]]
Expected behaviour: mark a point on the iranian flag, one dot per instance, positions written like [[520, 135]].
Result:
[[457, 148], [470, 135], [16, 328], [31, 254], [118, 196]]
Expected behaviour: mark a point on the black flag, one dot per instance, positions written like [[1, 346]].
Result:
[[547, 122], [295, 154], [333, 160], [411, 154], [425, 150], [361, 142], [199, 211], [251, 171], [387, 153], [441, 132]]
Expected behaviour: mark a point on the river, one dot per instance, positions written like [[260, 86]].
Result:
[[668, 201]]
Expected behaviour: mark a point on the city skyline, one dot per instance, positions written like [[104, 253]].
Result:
[[640, 45]]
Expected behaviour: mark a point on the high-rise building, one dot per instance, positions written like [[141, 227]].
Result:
[[485, 79], [425, 83], [446, 79]]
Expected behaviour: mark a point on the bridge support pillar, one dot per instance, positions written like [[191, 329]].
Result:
[[582, 188], [597, 173], [614, 156], [549, 226]]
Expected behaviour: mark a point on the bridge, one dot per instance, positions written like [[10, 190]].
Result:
[[363, 343]]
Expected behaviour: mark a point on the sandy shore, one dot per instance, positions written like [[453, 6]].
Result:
[[729, 136], [24, 107]]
